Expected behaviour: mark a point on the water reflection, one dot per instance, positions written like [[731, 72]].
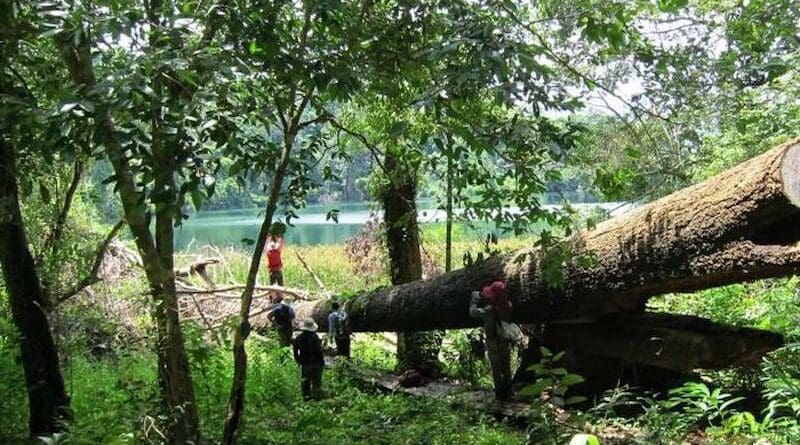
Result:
[[230, 227]]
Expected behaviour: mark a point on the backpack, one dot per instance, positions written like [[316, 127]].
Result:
[[342, 327], [283, 315]]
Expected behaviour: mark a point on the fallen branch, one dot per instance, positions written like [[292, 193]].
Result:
[[206, 321], [297, 293], [93, 276], [313, 275]]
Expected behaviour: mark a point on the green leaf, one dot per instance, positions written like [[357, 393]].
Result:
[[575, 400], [572, 379], [584, 439], [254, 48], [537, 388], [67, 107], [671, 5], [332, 215], [537, 368]]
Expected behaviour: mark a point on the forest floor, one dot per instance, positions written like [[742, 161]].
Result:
[[114, 391]]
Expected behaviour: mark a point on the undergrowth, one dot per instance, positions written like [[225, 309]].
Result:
[[111, 376]]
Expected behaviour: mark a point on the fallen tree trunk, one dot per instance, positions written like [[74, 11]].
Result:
[[676, 342], [735, 227]]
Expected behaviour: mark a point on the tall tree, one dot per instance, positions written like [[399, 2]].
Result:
[[305, 60], [48, 403], [415, 350], [150, 116]]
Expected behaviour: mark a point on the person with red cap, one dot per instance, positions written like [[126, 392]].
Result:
[[493, 307]]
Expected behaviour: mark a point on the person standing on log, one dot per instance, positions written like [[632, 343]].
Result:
[[308, 354], [281, 316], [338, 330], [274, 251], [493, 307]]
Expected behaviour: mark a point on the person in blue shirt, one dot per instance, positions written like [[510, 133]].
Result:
[[281, 317], [339, 329]]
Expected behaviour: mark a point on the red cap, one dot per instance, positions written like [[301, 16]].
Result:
[[494, 290]]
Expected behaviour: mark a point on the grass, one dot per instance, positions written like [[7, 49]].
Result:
[[114, 402], [330, 263], [114, 397]]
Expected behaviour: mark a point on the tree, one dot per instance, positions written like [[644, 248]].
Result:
[[737, 226], [690, 88], [45, 151], [305, 59], [48, 402], [47, 398], [150, 117], [464, 108]]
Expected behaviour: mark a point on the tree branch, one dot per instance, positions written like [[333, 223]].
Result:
[[320, 119], [92, 277], [373, 150], [53, 239]]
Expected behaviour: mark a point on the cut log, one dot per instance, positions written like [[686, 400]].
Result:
[[676, 342], [601, 373], [735, 227], [198, 268]]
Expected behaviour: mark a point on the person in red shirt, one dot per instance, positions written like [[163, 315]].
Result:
[[274, 263]]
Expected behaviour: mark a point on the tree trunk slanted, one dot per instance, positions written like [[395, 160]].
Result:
[[415, 350], [738, 226], [48, 403], [236, 398]]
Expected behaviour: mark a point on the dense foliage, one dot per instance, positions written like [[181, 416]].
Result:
[[136, 114]]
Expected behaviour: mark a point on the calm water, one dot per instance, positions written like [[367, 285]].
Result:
[[230, 227]]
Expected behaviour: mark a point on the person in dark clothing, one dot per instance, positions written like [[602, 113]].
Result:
[[492, 306], [281, 316], [308, 354], [339, 330]]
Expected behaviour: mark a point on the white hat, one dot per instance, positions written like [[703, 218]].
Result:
[[309, 325]]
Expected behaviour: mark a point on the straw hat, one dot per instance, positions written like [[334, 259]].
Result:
[[308, 325]]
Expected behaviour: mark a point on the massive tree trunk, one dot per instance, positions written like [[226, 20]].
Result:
[[415, 350], [677, 342], [738, 226], [48, 402]]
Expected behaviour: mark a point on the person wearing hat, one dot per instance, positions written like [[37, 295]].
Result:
[[308, 354], [492, 306]]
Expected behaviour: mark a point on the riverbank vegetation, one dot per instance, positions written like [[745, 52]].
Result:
[[120, 120], [105, 338]]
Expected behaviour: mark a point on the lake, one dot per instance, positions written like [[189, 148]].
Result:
[[230, 227]]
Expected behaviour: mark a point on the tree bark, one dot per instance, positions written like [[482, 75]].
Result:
[[236, 397], [415, 350], [675, 342], [735, 227], [175, 377], [48, 403], [448, 239]]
